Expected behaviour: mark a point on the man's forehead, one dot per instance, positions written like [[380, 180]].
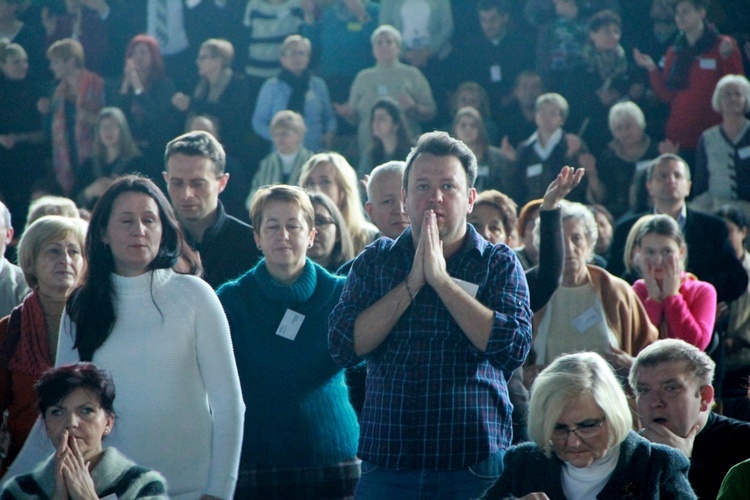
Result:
[[670, 166], [662, 372], [181, 165], [433, 167]]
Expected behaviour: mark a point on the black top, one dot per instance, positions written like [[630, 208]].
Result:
[[721, 444], [228, 249]]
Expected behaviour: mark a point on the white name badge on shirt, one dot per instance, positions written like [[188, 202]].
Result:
[[589, 318], [744, 153], [496, 73], [706, 63], [642, 165], [290, 324], [534, 170], [467, 287]]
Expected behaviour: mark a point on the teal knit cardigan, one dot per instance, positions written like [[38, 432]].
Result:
[[298, 411]]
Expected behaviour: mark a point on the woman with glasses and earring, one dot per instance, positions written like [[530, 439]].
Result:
[[583, 445], [301, 433], [333, 245]]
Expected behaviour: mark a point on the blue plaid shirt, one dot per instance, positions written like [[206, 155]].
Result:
[[433, 400]]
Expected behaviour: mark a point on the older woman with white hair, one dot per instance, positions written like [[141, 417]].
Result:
[[583, 446], [626, 158], [722, 162], [591, 310], [392, 78]]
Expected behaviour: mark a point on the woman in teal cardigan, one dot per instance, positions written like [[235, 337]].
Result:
[[301, 432]]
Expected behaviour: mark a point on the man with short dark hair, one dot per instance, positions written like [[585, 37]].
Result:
[[13, 287], [710, 254], [194, 173], [672, 384], [442, 318]]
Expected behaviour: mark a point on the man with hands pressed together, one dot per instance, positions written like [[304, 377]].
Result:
[[672, 384], [443, 318]]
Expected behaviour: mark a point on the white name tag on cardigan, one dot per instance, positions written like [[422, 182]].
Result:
[[290, 324], [744, 153], [708, 63], [534, 170], [589, 318], [496, 73], [467, 287]]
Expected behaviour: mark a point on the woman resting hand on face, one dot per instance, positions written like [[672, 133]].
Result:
[[76, 403], [677, 303]]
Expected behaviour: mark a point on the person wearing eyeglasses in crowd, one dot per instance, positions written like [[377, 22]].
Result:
[[333, 245], [582, 443]]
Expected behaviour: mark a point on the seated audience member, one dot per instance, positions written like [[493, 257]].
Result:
[[541, 156], [340, 37], [115, 154], [331, 174], [583, 443], [518, 120], [591, 310], [30, 36], [13, 287], [528, 253], [605, 226], [51, 254], [267, 23], [299, 419], [601, 79], [493, 216], [722, 162], [23, 150], [194, 174], [82, 21], [296, 89], [220, 93], [672, 384], [692, 67], [51, 205], [284, 164], [77, 407], [493, 58], [472, 94], [709, 251], [392, 78], [144, 95], [677, 303], [391, 140], [74, 107], [560, 41], [332, 246], [624, 161], [737, 343], [384, 205], [494, 165], [736, 484]]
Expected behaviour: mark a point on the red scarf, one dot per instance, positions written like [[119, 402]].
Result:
[[26, 343]]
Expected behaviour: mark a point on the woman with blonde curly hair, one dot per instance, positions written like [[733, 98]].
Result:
[[331, 174]]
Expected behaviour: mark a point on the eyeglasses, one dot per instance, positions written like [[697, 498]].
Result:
[[322, 221], [584, 430]]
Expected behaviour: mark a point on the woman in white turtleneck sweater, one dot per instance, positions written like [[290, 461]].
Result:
[[165, 340], [583, 446]]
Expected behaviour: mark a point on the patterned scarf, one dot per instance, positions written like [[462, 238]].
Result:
[[26, 349], [608, 64], [685, 55], [89, 100]]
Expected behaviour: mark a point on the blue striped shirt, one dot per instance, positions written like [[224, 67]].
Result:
[[433, 400]]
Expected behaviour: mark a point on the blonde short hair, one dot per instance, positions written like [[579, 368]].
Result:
[[553, 99], [567, 378], [67, 49], [281, 192], [43, 230], [51, 205]]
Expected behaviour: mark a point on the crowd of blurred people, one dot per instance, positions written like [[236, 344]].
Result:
[[191, 189]]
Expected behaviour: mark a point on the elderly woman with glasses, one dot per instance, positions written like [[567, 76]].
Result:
[[582, 443]]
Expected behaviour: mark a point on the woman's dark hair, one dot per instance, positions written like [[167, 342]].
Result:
[[92, 306], [733, 215], [404, 141], [57, 383], [604, 18]]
